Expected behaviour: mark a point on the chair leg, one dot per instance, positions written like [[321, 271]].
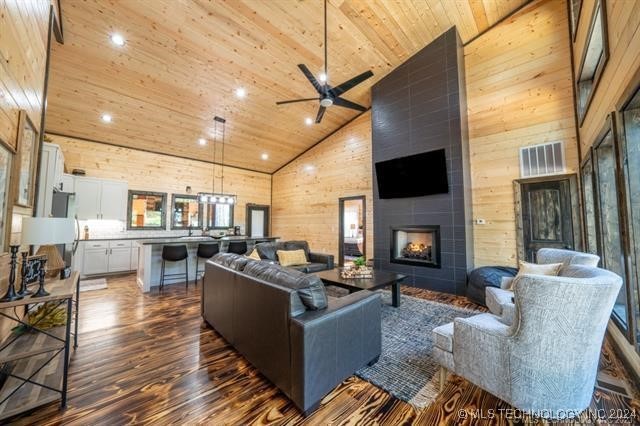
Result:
[[161, 277], [186, 273], [195, 278], [443, 377]]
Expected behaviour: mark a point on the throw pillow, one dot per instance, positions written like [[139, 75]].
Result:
[[535, 269], [291, 257], [254, 255]]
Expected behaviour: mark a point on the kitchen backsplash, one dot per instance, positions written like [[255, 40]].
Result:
[[116, 229]]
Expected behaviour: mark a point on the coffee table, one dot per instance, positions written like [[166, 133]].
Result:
[[379, 280]]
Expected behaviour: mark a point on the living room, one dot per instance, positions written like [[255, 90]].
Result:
[[320, 211]]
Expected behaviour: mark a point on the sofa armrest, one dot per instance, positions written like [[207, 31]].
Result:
[[322, 258], [330, 345]]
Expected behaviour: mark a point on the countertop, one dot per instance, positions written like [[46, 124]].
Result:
[[183, 238], [195, 239]]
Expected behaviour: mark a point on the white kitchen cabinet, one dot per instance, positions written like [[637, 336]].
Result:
[[101, 199], [51, 171], [95, 261], [134, 257], [68, 184], [113, 200], [119, 259]]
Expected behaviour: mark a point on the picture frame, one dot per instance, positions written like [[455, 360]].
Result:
[[34, 266], [27, 149], [6, 164]]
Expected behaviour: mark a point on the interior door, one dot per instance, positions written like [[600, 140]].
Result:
[[257, 220], [546, 215]]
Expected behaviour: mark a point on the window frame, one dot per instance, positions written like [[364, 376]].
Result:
[[574, 18], [163, 225], [632, 255], [589, 159], [205, 222], [610, 125], [174, 226], [597, 76]]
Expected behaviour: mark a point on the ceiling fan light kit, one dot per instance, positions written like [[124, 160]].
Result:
[[328, 95]]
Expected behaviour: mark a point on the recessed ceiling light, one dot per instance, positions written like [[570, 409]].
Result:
[[308, 168], [117, 39], [107, 118], [265, 156], [241, 92], [202, 141], [322, 77], [308, 121]]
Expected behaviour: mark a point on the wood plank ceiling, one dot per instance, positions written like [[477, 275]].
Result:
[[183, 59]]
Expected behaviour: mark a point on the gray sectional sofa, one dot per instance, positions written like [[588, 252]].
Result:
[[282, 321], [317, 261]]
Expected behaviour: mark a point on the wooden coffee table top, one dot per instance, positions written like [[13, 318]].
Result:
[[380, 279]]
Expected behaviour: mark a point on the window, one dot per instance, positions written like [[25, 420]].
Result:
[[612, 253], [575, 7], [589, 200], [186, 212], [146, 210], [630, 149], [594, 58], [219, 216]]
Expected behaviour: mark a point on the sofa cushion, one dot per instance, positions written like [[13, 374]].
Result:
[[443, 337], [267, 251], [309, 287], [496, 298], [254, 255], [292, 257], [535, 269], [231, 260], [298, 245]]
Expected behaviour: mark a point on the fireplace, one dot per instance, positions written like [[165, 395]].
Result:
[[416, 245]]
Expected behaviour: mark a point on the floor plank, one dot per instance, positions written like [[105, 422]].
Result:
[[149, 359]]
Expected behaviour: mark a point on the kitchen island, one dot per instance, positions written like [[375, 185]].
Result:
[[150, 257]]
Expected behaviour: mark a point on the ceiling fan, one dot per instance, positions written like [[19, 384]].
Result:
[[328, 95]]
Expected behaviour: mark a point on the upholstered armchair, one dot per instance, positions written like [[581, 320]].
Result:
[[546, 361], [500, 300]]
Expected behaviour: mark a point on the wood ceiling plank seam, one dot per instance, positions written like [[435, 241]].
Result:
[[424, 13], [439, 14], [13, 91], [479, 15], [453, 9], [391, 21], [491, 9], [408, 17]]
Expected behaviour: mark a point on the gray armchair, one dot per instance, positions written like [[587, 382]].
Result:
[[546, 361], [500, 300]]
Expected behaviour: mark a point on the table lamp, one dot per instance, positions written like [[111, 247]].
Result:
[[46, 232]]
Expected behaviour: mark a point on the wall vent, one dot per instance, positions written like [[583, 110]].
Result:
[[541, 160]]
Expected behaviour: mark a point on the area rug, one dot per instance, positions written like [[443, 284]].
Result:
[[89, 285], [406, 368]]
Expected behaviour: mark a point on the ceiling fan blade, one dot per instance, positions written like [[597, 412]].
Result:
[[321, 111], [349, 84], [348, 104], [296, 100], [311, 78]]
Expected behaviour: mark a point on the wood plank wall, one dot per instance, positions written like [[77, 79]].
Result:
[[623, 23], [519, 93], [306, 192], [163, 173], [23, 45]]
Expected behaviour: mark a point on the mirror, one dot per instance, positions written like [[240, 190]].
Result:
[[352, 242], [185, 212], [146, 210], [219, 216]]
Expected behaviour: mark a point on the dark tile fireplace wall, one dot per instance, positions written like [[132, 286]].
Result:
[[419, 107]]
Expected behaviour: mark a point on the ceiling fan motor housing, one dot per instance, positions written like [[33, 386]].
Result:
[[326, 102]]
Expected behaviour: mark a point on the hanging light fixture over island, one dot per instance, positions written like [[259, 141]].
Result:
[[214, 197]]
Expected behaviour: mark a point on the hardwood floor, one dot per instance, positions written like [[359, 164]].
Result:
[[148, 358]]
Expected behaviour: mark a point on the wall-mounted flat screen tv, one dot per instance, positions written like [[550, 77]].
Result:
[[413, 176]]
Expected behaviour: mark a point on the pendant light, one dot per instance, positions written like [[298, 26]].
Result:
[[213, 197]]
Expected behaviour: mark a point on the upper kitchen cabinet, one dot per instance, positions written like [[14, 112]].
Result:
[[100, 199]]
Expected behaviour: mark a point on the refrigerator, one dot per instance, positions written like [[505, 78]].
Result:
[[63, 205]]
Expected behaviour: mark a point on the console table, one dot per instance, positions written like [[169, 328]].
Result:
[[36, 361]]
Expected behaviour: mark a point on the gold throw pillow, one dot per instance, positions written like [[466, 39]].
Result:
[[254, 255], [552, 269], [291, 257]]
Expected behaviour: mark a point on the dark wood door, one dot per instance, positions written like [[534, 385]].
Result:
[[546, 216], [257, 220]]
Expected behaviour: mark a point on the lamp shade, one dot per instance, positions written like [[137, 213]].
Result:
[[39, 231]]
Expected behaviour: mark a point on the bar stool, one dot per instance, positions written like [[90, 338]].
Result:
[[174, 254], [205, 251], [237, 247]]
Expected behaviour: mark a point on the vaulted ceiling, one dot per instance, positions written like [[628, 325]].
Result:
[[183, 59]]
